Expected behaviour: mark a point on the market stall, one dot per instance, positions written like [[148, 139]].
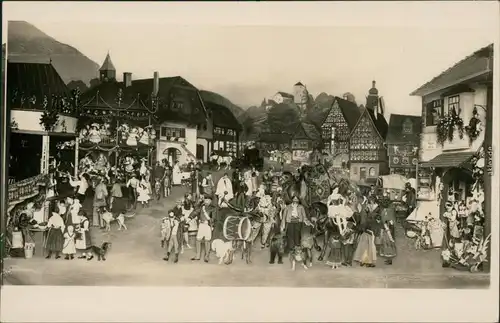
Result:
[[116, 136]]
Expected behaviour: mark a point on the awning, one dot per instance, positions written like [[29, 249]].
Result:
[[449, 160]]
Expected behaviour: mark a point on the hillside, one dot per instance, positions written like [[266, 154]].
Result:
[[29, 44], [219, 99]]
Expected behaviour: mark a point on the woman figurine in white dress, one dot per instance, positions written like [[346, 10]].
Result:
[[94, 134], [176, 174], [143, 192], [132, 137], [143, 136]]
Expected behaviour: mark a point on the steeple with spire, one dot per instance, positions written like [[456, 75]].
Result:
[[372, 100], [107, 71]]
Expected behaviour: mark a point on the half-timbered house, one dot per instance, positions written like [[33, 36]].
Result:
[[337, 122], [226, 130], [403, 141], [367, 150], [305, 139], [270, 141]]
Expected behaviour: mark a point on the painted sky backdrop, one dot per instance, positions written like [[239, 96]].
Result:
[[235, 50]]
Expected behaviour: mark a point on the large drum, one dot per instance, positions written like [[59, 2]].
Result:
[[237, 228]]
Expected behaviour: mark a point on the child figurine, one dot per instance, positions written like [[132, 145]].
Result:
[[164, 231], [462, 213], [336, 250], [69, 248], [348, 243], [451, 215], [172, 239], [116, 192], [143, 192]]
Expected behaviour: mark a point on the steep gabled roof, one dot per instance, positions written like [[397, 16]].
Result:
[[474, 65], [29, 83], [299, 83], [169, 88], [379, 123], [108, 64], [310, 131], [395, 134], [223, 117], [350, 111]]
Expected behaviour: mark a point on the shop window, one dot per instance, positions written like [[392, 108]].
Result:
[[173, 132], [372, 172], [434, 110], [454, 104]]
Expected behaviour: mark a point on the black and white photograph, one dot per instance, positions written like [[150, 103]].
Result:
[[171, 153]]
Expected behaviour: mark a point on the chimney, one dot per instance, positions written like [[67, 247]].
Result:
[[156, 83], [127, 79]]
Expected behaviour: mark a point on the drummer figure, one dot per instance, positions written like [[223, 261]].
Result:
[[206, 216]]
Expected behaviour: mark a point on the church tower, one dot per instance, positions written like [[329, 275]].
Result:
[[107, 72], [300, 96], [372, 100]]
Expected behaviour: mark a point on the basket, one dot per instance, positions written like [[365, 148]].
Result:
[[29, 250]]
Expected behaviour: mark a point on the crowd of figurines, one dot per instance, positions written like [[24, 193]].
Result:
[[462, 229], [96, 133]]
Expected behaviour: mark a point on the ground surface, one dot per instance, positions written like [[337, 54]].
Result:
[[136, 260]]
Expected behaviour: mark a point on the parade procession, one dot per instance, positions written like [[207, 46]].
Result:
[[158, 171]]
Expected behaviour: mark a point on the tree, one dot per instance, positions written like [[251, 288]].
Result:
[[349, 97], [282, 118], [94, 82], [78, 85]]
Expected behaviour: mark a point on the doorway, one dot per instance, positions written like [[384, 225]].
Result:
[[172, 154], [200, 152], [362, 173], [25, 153]]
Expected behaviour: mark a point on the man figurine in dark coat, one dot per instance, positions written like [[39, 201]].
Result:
[[411, 197], [205, 216]]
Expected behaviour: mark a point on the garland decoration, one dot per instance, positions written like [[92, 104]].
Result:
[[447, 125], [474, 128], [49, 116]]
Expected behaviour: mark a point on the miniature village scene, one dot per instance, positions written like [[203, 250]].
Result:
[[152, 180]]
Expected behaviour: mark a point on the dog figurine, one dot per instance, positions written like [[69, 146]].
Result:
[[223, 250], [297, 255], [109, 217], [99, 252], [277, 248]]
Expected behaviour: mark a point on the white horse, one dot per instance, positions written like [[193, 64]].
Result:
[[222, 160]]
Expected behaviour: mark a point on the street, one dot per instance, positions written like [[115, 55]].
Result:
[[136, 256]]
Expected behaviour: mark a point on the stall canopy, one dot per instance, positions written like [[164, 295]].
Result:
[[457, 159]]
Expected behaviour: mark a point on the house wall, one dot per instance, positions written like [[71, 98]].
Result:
[[206, 148], [190, 142], [30, 121], [278, 98], [355, 172], [429, 145], [208, 132], [430, 148]]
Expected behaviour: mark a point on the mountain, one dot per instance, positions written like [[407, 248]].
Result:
[[26, 43]]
